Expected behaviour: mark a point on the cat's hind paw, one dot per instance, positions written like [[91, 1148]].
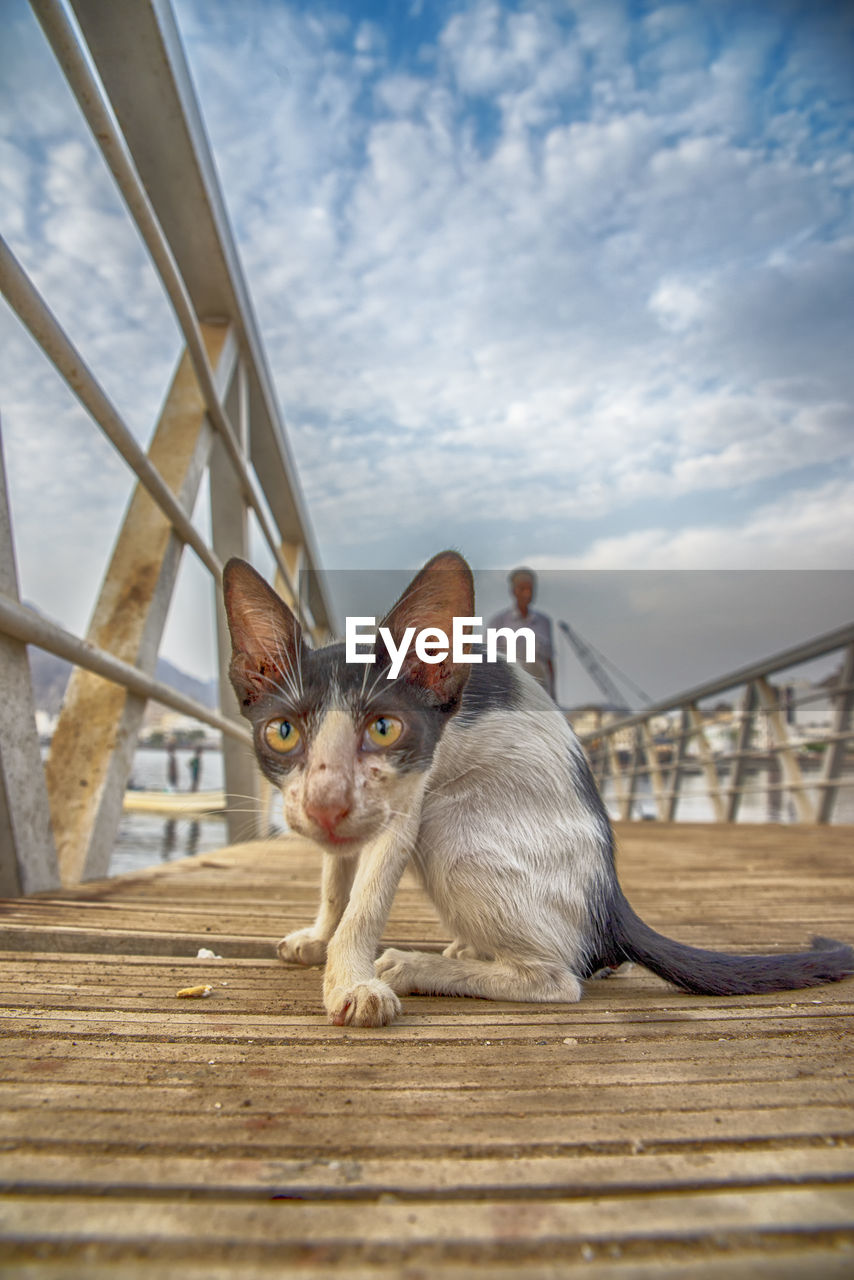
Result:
[[396, 968], [458, 950], [367, 1004], [302, 947]]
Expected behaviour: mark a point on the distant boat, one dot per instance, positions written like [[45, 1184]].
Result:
[[175, 803]]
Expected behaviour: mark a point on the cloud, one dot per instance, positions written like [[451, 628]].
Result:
[[677, 304], [456, 288], [804, 529], [542, 276]]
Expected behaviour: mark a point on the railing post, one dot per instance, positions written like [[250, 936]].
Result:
[[92, 750], [654, 769], [244, 795], [599, 765], [635, 762], [785, 752], [698, 731], [27, 853], [621, 793], [675, 781], [742, 747], [840, 728], [294, 558]]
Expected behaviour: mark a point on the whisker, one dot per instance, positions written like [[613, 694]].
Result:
[[375, 692]]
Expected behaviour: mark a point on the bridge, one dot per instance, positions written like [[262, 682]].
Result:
[[642, 1132]]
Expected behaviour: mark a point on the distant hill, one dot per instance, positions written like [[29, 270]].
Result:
[[50, 676], [204, 691]]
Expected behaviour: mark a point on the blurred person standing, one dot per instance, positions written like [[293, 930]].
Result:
[[194, 764], [523, 587]]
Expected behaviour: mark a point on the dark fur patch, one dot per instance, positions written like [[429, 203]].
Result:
[[585, 784], [492, 686], [617, 934], [622, 935]]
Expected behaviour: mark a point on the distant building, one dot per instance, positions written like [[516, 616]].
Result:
[[160, 723], [591, 716], [808, 707]]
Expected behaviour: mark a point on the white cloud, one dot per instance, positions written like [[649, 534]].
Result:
[[491, 49], [805, 529], [550, 271], [677, 305]]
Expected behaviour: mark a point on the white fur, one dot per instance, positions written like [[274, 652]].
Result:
[[503, 844]]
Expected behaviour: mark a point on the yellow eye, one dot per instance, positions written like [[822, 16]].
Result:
[[383, 731], [281, 735]]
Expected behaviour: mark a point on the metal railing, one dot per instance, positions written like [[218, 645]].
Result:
[[747, 758], [126, 68]]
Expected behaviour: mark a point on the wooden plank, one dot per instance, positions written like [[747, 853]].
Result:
[[93, 1062], [641, 1132], [831, 1262], [762, 1260], [561, 1100], [293, 1130], [290, 1224], [137, 1007], [435, 1176]]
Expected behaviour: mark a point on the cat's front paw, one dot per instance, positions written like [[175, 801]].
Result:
[[302, 947], [367, 1004], [396, 968]]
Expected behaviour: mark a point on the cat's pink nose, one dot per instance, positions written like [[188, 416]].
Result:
[[327, 816]]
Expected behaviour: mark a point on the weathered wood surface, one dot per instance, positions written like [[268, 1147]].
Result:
[[642, 1133]]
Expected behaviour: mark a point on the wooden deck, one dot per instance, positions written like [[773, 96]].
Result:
[[642, 1133]]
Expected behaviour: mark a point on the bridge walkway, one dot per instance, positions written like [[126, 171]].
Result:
[[640, 1133]]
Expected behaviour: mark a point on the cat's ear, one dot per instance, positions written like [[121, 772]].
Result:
[[265, 636], [442, 591]]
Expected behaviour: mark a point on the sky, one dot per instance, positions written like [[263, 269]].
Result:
[[556, 283]]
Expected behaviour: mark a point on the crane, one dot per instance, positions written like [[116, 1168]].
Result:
[[595, 663]]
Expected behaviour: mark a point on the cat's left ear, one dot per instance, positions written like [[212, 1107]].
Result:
[[265, 636], [442, 591]]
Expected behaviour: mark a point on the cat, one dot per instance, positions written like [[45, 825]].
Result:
[[470, 773]]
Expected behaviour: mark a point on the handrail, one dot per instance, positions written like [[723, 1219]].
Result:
[[126, 68], [648, 747], [32, 310], [86, 90], [792, 657], [29, 627], [139, 57]]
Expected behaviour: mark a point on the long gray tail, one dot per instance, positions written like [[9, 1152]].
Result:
[[719, 974]]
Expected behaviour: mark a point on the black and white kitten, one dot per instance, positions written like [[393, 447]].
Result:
[[470, 773]]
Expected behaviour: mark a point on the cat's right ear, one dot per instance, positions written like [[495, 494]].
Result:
[[443, 590], [265, 636]]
